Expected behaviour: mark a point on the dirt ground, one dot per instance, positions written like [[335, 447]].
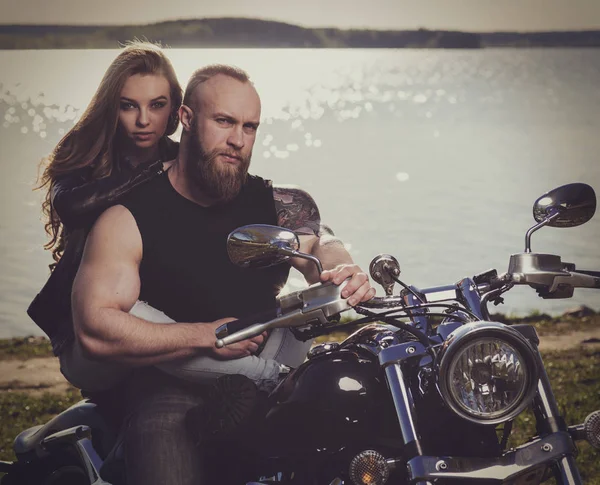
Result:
[[38, 375], [34, 376]]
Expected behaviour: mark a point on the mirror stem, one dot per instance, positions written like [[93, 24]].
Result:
[[296, 254], [535, 228]]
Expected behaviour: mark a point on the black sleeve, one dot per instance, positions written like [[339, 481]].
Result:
[[79, 202]]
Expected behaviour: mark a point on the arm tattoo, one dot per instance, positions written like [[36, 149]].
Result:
[[297, 211]]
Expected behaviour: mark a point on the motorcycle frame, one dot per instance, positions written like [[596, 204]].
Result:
[[520, 465]]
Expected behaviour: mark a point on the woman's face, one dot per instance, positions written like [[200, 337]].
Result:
[[144, 109]]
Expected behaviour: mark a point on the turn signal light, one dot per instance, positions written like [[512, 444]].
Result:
[[591, 428], [369, 467]]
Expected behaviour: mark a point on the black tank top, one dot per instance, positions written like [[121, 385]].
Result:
[[185, 270]]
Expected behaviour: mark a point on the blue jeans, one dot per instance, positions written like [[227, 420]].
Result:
[[158, 447]]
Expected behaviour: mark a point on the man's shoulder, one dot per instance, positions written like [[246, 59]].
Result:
[[296, 210], [115, 216], [292, 194], [116, 225]]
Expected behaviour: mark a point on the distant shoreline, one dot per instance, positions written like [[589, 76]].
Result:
[[256, 33]]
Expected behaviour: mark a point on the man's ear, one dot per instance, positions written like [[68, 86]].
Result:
[[186, 116]]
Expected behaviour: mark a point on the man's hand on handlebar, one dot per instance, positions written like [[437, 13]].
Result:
[[358, 288], [237, 350]]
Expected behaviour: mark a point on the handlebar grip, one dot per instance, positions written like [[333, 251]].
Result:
[[246, 333], [242, 323], [595, 274]]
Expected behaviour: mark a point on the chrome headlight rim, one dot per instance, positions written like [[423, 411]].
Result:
[[466, 335]]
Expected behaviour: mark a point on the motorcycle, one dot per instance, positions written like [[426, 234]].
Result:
[[425, 391]]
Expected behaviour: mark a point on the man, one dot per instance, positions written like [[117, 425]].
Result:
[[167, 245]]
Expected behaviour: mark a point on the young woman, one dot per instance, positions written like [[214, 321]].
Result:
[[120, 142]]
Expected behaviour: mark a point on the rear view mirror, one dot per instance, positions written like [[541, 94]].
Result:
[[261, 245], [567, 206]]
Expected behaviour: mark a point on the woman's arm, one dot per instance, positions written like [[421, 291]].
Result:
[[79, 202]]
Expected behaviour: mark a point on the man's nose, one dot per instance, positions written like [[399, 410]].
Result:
[[236, 138], [143, 118]]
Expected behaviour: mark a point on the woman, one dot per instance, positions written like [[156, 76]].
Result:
[[120, 142]]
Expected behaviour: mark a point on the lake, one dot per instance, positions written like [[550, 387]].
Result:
[[434, 156]]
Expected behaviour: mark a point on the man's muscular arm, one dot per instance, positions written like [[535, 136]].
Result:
[[106, 287], [297, 211]]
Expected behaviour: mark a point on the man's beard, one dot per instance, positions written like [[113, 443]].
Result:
[[221, 181]]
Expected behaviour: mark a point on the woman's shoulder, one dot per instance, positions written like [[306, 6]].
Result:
[[75, 177]]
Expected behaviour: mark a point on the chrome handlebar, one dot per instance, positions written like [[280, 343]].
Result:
[[316, 304], [548, 273]]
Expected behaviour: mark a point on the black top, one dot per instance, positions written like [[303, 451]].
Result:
[[185, 270]]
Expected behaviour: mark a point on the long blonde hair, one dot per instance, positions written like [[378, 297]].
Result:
[[91, 142]]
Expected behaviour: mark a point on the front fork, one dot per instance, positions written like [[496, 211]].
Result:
[[392, 359], [519, 465], [547, 414], [549, 421]]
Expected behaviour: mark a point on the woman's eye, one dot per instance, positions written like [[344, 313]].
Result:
[[159, 104], [127, 106]]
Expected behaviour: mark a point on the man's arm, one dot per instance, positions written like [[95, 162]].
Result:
[[107, 286], [297, 211]]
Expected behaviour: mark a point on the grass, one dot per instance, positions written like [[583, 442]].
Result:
[[25, 348], [547, 325], [19, 411]]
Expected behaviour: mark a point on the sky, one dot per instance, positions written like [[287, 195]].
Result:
[[472, 15]]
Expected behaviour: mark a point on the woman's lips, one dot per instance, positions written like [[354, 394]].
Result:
[[143, 136]]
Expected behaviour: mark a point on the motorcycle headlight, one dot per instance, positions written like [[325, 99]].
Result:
[[487, 372]]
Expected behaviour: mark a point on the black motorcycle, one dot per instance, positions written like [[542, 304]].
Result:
[[424, 392]]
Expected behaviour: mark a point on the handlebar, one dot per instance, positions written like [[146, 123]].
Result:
[[552, 281], [240, 324], [595, 274], [317, 304]]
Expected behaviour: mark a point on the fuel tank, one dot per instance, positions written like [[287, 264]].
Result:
[[336, 398]]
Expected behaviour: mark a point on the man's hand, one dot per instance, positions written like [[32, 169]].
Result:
[[358, 289], [237, 350]]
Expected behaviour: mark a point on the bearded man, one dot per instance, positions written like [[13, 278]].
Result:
[[166, 245]]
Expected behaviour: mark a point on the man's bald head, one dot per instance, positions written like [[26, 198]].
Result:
[[204, 74]]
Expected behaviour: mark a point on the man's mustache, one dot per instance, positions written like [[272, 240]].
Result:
[[232, 154]]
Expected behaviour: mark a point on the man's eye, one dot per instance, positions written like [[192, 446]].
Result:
[[250, 129], [223, 121]]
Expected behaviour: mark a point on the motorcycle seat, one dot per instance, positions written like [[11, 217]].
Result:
[[27, 440], [82, 413]]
